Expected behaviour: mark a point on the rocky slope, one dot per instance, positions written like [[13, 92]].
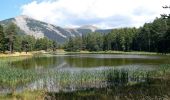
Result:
[[39, 29]]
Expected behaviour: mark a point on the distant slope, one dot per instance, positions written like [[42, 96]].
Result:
[[39, 29]]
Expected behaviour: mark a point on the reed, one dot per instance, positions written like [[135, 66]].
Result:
[[78, 79]]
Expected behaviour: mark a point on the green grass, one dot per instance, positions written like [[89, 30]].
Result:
[[113, 52], [13, 77], [11, 59], [26, 95]]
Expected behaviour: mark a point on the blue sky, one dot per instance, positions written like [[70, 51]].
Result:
[[75, 13], [11, 8]]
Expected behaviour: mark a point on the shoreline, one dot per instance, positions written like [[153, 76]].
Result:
[[108, 52], [16, 54], [63, 52]]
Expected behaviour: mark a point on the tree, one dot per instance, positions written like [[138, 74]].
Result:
[[167, 37], [2, 39], [165, 40], [70, 45], [11, 35], [43, 44], [28, 43], [25, 45], [54, 45], [17, 46], [94, 42]]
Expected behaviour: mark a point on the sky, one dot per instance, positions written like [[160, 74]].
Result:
[[75, 13]]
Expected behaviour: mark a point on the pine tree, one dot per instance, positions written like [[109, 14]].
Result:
[[11, 35], [2, 39], [54, 45]]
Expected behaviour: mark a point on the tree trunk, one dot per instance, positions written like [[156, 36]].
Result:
[[10, 48]]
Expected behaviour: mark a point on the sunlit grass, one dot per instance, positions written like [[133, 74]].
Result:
[[16, 54], [25, 95], [114, 52]]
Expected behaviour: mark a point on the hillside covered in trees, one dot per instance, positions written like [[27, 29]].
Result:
[[152, 37], [10, 41]]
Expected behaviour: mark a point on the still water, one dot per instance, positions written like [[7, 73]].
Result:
[[99, 76], [91, 61]]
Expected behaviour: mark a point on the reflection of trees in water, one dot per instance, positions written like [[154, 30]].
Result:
[[75, 61], [98, 83], [117, 78], [38, 62], [96, 62], [156, 89], [72, 79]]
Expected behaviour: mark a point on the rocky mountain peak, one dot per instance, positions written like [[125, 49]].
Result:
[[39, 29], [90, 27]]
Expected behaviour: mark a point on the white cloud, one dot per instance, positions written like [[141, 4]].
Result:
[[102, 13]]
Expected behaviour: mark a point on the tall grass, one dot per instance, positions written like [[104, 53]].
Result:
[[73, 79], [70, 80], [12, 78]]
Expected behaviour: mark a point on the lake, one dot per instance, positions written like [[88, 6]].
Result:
[[97, 76], [92, 61]]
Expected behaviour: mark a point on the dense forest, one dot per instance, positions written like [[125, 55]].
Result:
[[152, 37], [10, 41]]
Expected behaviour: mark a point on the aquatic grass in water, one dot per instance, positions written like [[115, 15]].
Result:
[[119, 85], [73, 79], [80, 79], [11, 78], [14, 77], [77, 79]]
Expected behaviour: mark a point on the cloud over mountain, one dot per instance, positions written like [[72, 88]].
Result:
[[101, 13]]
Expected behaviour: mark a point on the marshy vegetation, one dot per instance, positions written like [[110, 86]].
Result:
[[112, 75], [60, 77]]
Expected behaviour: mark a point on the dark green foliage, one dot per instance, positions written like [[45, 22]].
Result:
[[11, 36], [94, 42], [54, 45], [13, 41], [2, 39], [18, 43], [73, 44], [152, 37], [27, 43], [120, 39], [43, 44], [91, 42]]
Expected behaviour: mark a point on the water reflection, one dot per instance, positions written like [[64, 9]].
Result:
[[97, 77], [73, 79], [38, 62], [155, 89], [90, 60]]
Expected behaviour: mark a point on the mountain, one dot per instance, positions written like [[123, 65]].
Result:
[[89, 27], [38, 29]]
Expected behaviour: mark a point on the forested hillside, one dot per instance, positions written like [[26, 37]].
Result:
[[29, 26], [152, 37], [11, 41]]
